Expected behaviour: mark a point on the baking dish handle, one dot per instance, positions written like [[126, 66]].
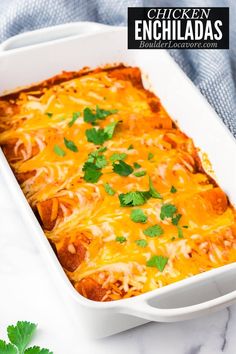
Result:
[[53, 33], [150, 312]]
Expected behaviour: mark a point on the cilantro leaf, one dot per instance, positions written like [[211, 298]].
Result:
[[167, 211], [91, 172], [58, 150], [185, 226], [49, 114], [70, 145], [117, 157], [121, 239], [109, 189], [122, 168], [140, 173], [154, 193], [20, 335], [158, 262], [153, 231], [96, 136], [150, 156], [101, 161], [141, 243], [137, 165], [110, 129], [133, 198], [7, 348], [37, 350], [75, 116], [180, 232], [103, 113], [137, 215], [130, 147], [175, 219], [173, 189], [90, 116]]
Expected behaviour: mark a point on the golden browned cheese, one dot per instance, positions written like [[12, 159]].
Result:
[[152, 218]]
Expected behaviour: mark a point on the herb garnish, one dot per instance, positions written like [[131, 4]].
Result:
[[175, 219], [137, 215], [109, 189], [99, 136], [92, 173], [153, 231], [150, 155], [142, 243], [133, 198], [122, 168], [20, 336], [58, 150], [130, 147], [90, 116], [167, 211], [70, 145], [180, 232], [117, 157], [173, 189], [153, 192], [121, 239], [75, 116], [140, 173], [137, 165], [49, 114], [158, 262]]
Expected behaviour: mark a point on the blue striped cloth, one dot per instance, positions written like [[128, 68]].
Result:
[[212, 71]]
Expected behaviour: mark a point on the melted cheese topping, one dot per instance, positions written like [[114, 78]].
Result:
[[81, 220]]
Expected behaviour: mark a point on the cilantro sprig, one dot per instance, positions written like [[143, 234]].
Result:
[[74, 118], [20, 336], [136, 198], [70, 145], [122, 168]]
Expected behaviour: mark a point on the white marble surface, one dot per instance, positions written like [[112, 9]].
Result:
[[27, 293]]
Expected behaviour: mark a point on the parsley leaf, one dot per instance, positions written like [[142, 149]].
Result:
[[117, 157], [137, 165], [158, 262], [7, 348], [20, 335], [153, 231], [49, 114], [137, 215], [58, 150], [173, 189], [154, 193], [75, 116], [37, 350], [175, 219], [122, 168], [180, 232], [89, 115], [130, 147], [167, 211], [133, 198], [109, 189], [142, 243], [70, 145], [150, 156], [101, 161], [121, 239], [140, 173]]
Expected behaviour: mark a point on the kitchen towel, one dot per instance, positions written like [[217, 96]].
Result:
[[212, 71]]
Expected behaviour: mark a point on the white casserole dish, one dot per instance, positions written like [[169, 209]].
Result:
[[32, 57]]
